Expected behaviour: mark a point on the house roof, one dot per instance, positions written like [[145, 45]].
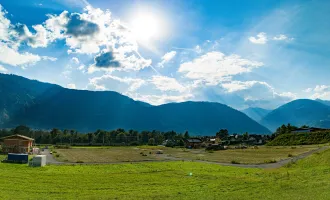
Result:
[[194, 140], [17, 135]]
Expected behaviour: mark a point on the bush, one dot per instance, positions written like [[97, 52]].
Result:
[[135, 143], [235, 162], [270, 161], [290, 155], [80, 161], [57, 155]]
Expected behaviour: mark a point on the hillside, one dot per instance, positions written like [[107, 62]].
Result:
[[325, 102], [301, 139], [256, 113], [299, 112], [45, 106]]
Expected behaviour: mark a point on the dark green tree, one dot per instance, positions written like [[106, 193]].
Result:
[[222, 134], [186, 135]]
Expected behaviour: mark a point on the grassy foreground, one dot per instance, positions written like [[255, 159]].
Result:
[[308, 179]]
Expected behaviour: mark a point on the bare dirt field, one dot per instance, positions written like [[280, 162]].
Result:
[[263, 154]]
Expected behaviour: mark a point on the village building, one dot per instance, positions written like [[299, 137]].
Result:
[[16, 144], [193, 143]]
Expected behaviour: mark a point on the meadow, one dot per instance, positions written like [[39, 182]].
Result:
[[251, 155], [306, 179]]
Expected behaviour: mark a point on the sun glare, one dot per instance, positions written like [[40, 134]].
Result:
[[146, 27]]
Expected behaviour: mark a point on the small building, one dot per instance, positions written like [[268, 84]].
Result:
[[193, 143], [38, 161], [16, 144]]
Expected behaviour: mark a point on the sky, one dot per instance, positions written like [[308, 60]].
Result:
[[256, 53]]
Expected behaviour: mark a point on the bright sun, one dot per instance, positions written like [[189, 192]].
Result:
[[146, 27]]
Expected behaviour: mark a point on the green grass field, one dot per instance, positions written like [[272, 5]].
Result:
[[307, 179], [126, 154]]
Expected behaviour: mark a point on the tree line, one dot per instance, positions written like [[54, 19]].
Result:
[[99, 137]]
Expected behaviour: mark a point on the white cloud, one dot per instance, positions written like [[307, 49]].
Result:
[[48, 58], [11, 37], [214, 67], [258, 93], [280, 37], [90, 32], [235, 86], [168, 56], [81, 67], [3, 69], [66, 74], [75, 60], [321, 88], [110, 61], [110, 82], [4, 25], [308, 90], [319, 92], [165, 83], [161, 99], [22, 34], [71, 86], [198, 49], [12, 57], [94, 29], [260, 39]]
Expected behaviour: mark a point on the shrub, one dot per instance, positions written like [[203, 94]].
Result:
[[135, 143], [57, 155], [290, 155], [270, 161], [235, 162], [80, 161]]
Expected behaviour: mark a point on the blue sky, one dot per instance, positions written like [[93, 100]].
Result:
[[253, 53]]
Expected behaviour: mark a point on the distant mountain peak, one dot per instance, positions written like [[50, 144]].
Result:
[[299, 112]]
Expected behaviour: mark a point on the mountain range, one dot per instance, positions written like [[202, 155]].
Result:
[[45, 106]]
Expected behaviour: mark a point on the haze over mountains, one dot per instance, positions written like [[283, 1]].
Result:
[[46, 106], [256, 113]]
